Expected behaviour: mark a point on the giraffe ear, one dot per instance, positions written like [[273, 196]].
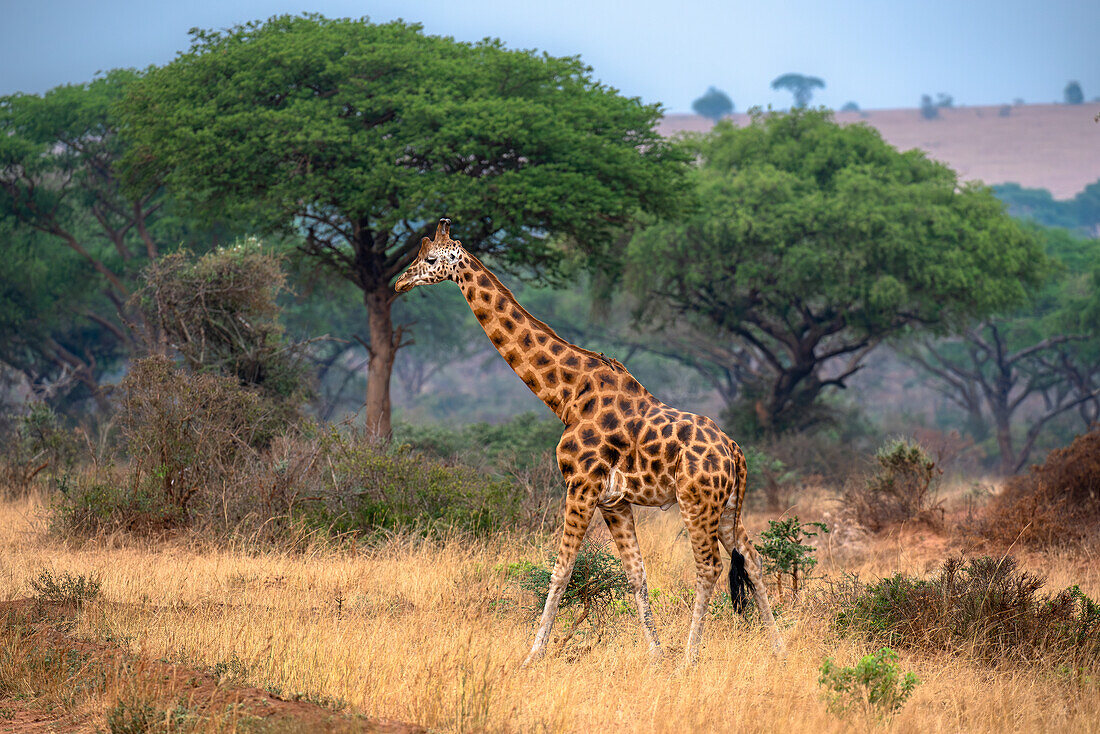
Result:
[[443, 228], [425, 243]]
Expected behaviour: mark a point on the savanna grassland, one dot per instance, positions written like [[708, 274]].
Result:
[[433, 633]]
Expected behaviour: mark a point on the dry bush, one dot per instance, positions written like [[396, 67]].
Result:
[[202, 450], [188, 431], [220, 312], [984, 608], [1056, 502], [902, 489]]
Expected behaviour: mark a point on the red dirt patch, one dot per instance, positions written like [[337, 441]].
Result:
[[41, 629]]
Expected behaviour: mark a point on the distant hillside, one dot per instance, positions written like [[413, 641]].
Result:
[[1053, 147]]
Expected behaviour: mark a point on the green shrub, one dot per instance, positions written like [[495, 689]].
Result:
[[399, 490], [985, 608], [515, 444], [903, 488], [92, 505], [873, 686], [784, 552], [64, 588], [187, 432], [778, 480], [594, 592], [35, 446]]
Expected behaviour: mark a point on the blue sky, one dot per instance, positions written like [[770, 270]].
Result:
[[878, 53]]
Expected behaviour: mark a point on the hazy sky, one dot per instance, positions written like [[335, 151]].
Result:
[[878, 53]]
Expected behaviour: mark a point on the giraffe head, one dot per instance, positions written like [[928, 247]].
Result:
[[439, 259]]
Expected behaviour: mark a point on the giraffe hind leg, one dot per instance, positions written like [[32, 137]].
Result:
[[620, 523], [708, 565], [747, 569]]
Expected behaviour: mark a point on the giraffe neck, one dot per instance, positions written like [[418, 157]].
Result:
[[556, 371]]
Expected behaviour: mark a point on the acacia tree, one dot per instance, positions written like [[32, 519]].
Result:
[[1042, 360], [72, 225], [361, 136], [814, 242], [714, 105], [800, 85]]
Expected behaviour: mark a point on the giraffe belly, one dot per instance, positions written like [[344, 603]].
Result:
[[642, 490]]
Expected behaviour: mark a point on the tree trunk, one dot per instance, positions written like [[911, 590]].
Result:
[[1004, 444], [383, 349]]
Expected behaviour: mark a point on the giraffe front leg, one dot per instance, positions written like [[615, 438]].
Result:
[[578, 513], [620, 522], [708, 566]]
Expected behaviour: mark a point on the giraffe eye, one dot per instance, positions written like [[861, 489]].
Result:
[[430, 260]]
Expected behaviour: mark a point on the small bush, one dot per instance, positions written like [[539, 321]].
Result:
[[1056, 502], [107, 502], [35, 446], [64, 588], [874, 686], [186, 431], [902, 489], [785, 554], [985, 608], [594, 590]]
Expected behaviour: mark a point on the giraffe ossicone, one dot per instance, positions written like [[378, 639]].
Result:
[[621, 447]]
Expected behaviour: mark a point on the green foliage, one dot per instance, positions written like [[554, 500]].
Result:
[[785, 552], [379, 490], [594, 592], [714, 105], [515, 444], [1081, 213], [1073, 94], [813, 242], [65, 588], [74, 237], [91, 506], [902, 488], [353, 121], [1048, 347], [800, 85], [984, 607], [36, 446], [874, 686]]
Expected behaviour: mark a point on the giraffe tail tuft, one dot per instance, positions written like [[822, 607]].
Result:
[[739, 582]]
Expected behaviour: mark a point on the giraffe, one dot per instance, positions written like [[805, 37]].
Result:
[[621, 447]]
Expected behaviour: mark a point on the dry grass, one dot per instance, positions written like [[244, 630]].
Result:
[[410, 632]]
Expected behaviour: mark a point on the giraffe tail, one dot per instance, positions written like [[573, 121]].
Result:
[[740, 584]]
